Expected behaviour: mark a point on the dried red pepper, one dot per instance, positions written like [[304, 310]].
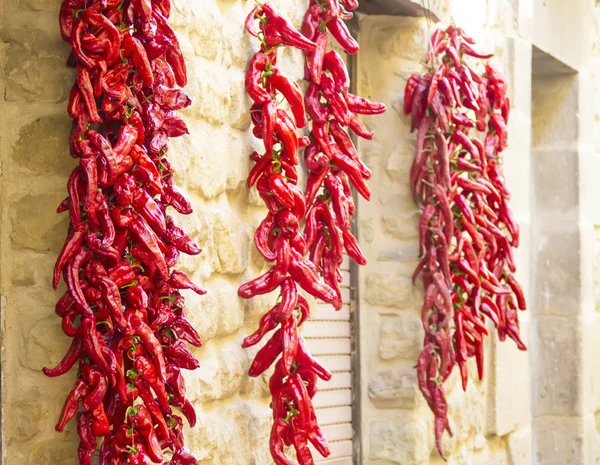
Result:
[[467, 230], [123, 306], [309, 260]]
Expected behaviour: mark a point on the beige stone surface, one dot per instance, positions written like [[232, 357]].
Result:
[[555, 195], [212, 164], [491, 420]]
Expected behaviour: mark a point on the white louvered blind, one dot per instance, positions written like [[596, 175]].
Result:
[[327, 334]]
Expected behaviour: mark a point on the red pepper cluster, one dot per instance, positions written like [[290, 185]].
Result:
[[467, 230], [333, 163], [122, 306], [331, 158]]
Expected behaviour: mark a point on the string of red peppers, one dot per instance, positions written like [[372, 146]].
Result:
[[467, 230], [333, 163], [122, 306]]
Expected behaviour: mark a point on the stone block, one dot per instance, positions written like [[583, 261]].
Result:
[[509, 381], [555, 99], [559, 441], [404, 443], [557, 285], [395, 388], [35, 224], [26, 418], [203, 439], [552, 20], [42, 146], [398, 163], [517, 65], [519, 447], [31, 268], [256, 307], [389, 290], [591, 427], [34, 68], [43, 343], [221, 375], [205, 27], [48, 450], [204, 314], [394, 252], [556, 182], [466, 411], [590, 374], [207, 177], [559, 386], [34, 5], [402, 227], [231, 239], [400, 336], [218, 313], [236, 434]]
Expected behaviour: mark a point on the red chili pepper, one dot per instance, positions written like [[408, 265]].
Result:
[[315, 60], [285, 129], [364, 106], [290, 35], [276, 442], [183, 456], [318, 113], [267, 355], [71, 405], [289, 335], [70, 358], [291, 92], [409, 92], [339, 31], [87, 444], [435, 79]]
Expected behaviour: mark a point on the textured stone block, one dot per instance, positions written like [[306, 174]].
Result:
[[509, 381], [559, 441], [467, 413], [559, 386], [221, 375], [400, 336], [556, 182], [35, 68], [558, 281], [405, 443], [394, 388], [388, 290], [35, 224], [401, 227], [394, 252], [554, 102], [231, 240], [42, 146], [35, 5], [519, 447], [39, 343]]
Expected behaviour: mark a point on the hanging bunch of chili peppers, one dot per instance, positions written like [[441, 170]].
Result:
[[122, 306], [334, 163], [467, 230]]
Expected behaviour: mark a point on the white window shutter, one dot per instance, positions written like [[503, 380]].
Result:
[[327, 335]]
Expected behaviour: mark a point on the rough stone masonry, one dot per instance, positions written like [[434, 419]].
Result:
[[551, 395]]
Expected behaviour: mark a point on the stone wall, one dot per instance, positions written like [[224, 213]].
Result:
[[541, 407], [211, 164], [491, 419]]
